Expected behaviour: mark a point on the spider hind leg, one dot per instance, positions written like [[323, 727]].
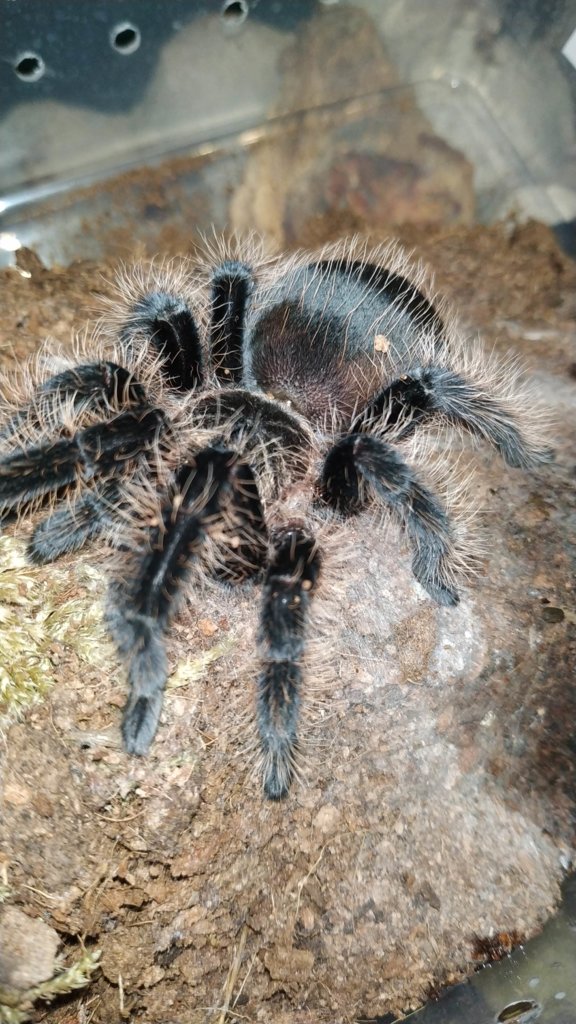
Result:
[[231, 289], [463, 402], [99, 387], [165, 322], [289, 584]]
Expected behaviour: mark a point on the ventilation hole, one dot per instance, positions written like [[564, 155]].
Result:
[[234, 12], [125, 38], [29, 67], [525, 1011]]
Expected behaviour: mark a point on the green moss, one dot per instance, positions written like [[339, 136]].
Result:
[[36, 612], [9, 1015], [192, 670]]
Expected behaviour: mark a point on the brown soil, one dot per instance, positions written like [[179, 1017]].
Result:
[[439, 801]]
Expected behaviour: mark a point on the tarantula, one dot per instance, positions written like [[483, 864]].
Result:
[[242, 399]]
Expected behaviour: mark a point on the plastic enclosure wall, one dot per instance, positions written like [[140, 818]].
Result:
[[91, 89]]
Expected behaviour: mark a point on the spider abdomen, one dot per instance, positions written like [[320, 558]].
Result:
[[326, 335]]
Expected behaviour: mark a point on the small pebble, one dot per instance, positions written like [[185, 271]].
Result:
[[327, 818], [552, 614], [307, 919]]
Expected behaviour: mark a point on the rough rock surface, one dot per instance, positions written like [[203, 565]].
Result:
[[28, 949]]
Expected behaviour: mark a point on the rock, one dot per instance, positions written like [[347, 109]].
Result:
[[27, 950]]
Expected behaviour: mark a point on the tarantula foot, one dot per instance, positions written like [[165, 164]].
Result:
[[429, 569], [279, 700], [140, 639], [522, 458], [140, 723], [274, 786], [278, 770], [441, 593]]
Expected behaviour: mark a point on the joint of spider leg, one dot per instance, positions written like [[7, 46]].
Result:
[[122, 388], [340, 486], [466, 403], [296, 556], [402, 405], [103, 450], [168, 326], [245, 517], [108, 449]]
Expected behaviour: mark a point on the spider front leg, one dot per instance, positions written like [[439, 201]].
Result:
[[231, 289], [102, 451], [99, 387], [358, 460], [215, 491], [289, 584], [429, 391]]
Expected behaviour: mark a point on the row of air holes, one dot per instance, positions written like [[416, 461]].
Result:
[[125, 38]]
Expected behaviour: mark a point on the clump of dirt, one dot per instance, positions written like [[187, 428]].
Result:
[[441, 774]]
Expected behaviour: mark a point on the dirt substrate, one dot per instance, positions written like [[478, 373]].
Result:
[[438, 805]]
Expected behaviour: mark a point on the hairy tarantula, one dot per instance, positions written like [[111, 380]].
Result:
[[242, 401]]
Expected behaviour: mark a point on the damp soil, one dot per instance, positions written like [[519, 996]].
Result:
[[437, 809]]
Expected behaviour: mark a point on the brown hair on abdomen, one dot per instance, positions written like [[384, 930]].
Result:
[[309, 361]]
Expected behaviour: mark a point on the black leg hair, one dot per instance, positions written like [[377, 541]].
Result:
[[97, 386], [169, 327], [101, 451], [231, 289], [288, 587], [70, 527], [246, 552], [143, 609], [404, 401], [360, 459], [436, 390]]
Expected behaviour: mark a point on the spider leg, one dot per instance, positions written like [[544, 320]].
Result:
[[70, 527], [247, 551], [288, 587], [164, 321], [144, 608], [436, 390], [231, 290], [103, 450], [359, 459], [98, 386]]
